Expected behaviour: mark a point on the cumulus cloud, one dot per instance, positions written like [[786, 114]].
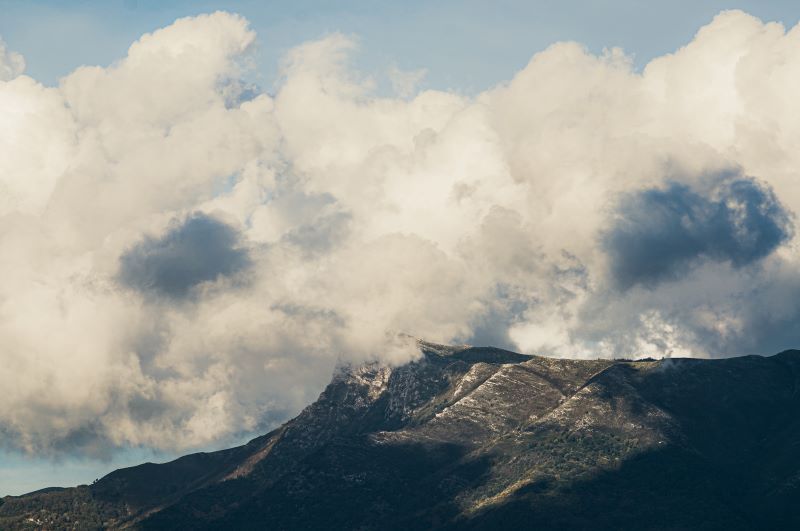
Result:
[[186, 258], [12, 63], [405, 82]]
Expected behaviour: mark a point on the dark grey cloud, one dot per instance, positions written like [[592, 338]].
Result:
[[196, 250], [766, 313], [661, 233]]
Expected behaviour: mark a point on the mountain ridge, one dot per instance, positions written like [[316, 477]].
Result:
[[465, 436]]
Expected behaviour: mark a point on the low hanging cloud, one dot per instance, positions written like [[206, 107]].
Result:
[[186, 257], [662, 233]]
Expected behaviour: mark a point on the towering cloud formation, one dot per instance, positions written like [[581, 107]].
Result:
[[185, 259]]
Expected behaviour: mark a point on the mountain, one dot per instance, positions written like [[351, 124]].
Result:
[[483, 438]]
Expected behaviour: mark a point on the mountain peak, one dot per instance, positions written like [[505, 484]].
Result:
[[476, 437]]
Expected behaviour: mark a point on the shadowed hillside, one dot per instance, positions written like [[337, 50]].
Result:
[[480, 438]]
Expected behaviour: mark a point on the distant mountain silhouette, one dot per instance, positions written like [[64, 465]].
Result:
[[483, 438]]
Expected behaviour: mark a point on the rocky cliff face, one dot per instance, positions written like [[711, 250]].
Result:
[[485, 438]]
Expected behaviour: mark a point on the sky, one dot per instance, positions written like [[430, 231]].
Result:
[[464, 45], [205, 207]]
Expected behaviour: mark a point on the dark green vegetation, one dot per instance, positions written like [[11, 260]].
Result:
[[481, 438]]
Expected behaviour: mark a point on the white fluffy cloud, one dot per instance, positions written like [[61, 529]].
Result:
[[12, 63], [186, 259]]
